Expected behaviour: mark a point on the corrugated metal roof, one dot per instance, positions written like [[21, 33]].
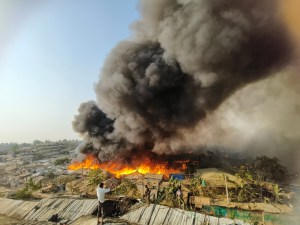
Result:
[[16, 208], [163, 215], [66, 209]]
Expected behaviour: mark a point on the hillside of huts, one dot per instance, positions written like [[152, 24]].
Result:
[[204, 196]]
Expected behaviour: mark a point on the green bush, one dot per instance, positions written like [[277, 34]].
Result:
[[30, 185], [61, 161], [50, 175], [26, 192], [23, 194]]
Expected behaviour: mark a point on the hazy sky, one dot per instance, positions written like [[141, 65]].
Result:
[[51, 52]]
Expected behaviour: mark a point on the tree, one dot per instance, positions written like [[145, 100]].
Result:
[[14, 149], [269, 169]]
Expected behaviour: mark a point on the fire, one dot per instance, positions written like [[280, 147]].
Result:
[[290, 9], [147, 166]]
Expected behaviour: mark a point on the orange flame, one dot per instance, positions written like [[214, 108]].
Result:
[[118, 170]]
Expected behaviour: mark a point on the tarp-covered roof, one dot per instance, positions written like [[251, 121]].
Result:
[[215, 177]]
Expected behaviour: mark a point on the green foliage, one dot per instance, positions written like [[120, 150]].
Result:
[[195, 185], [170, 192], [231, 214], [126, 187], [263, 169], [277, 193], [50, 175], [26, 192], [30, 185], [62, 161], [63, 179], [245, 173], [14, 148], [250, 188], [161, 195], [23, 194], [269, 169], [95, 177], [254, 186], [173, 185]]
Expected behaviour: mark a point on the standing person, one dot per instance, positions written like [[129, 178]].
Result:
[[147, 194], [179, 197], [101, 191]]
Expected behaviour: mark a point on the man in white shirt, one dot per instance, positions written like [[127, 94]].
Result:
[[100, 190]]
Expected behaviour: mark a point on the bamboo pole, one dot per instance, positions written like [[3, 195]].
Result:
[[143, 186], [226, 186]]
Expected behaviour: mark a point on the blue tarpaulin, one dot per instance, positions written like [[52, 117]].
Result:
[[177, 176]]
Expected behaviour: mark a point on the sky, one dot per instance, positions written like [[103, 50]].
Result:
[[51, 53]]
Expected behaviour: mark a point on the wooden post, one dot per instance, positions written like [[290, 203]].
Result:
[[226, 186], [143, 186]]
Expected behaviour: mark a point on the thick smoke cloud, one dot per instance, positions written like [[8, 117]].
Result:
[[149, 97], [92, 120], [185, 59], [261, 119]]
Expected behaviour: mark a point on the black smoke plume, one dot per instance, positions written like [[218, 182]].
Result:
[[185, 59]]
